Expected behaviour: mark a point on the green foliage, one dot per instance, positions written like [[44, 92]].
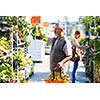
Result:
[[92, 60], [88, 22], [44, 38], [83, 41], [5, 43], [5, 70], [21, 27], [21, 59], [11, 20], [27, 43], [18, 23], [1, 18], [97, 51], [38, 33]]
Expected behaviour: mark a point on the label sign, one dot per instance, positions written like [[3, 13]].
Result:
[[35, 20], [45, 24]]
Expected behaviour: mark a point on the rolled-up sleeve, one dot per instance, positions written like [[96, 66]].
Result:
[[75, 43], [50, 40], [68, 48]]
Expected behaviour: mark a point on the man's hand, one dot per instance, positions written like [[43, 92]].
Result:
[[59, 65]]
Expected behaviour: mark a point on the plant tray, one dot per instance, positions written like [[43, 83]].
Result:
[[64, 79]]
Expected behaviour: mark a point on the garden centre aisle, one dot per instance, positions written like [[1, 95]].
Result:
[[41, 70]]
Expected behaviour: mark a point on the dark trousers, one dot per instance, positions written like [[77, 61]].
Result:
[[74, 70]]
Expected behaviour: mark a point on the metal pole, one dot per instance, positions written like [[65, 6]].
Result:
[[95, 25], [94, 49], [17, 53], [12, 51], [66, 25]]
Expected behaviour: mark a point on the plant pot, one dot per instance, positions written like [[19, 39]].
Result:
[[14, 81]]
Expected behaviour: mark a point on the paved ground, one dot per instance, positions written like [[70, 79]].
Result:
[[41, 70]]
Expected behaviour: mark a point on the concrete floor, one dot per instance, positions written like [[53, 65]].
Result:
[[41, 70]]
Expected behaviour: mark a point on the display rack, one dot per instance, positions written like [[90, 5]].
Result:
[[25, 65], [91, 58], [96, 70], [6, 59], [18, 72]]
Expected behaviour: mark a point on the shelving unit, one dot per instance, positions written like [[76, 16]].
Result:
[[25, 65], [92, 60], [20, 64], [97, 60], [6, 53]]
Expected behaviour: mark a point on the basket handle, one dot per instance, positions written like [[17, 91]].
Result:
[[55, 70]]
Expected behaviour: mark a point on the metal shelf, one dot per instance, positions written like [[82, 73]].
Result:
[[3, 57], [21, 44], [95, 37]]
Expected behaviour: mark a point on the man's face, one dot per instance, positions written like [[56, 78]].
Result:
[[58, 31]]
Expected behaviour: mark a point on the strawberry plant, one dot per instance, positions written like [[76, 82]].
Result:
[[5, 70], [5, 43], [57, 79], [38, 33], [91, 60], [20, 29]]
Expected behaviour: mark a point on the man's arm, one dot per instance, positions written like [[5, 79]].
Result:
[[64, 60], [50, 40]]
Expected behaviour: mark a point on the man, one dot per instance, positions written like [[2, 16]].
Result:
[[78, 47], [61, 51]]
